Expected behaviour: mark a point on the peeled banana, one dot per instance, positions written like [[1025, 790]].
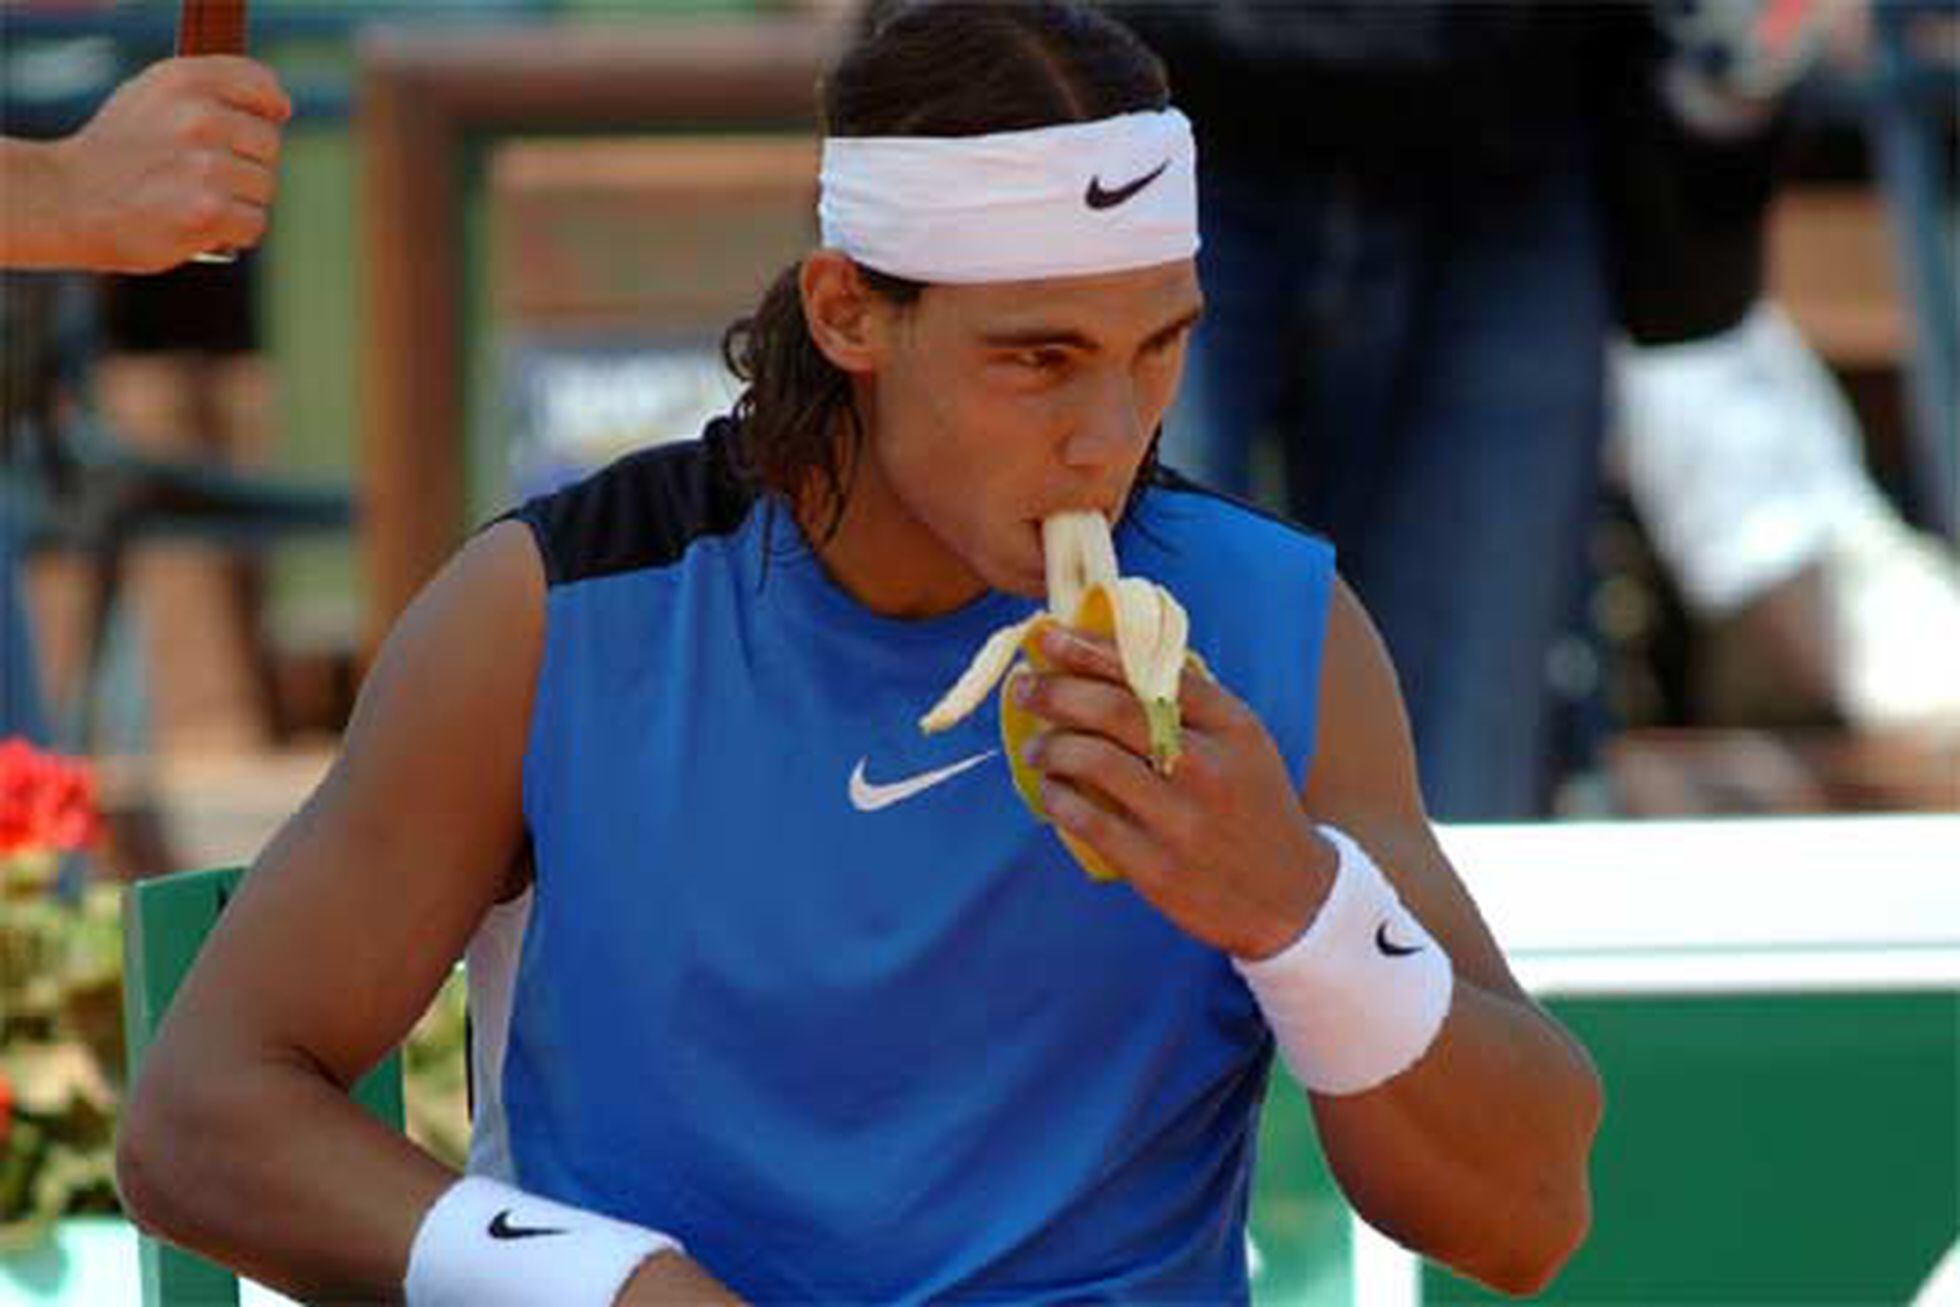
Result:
[[1085, 593]]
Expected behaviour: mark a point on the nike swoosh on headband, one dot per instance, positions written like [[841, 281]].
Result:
[[1098, 198], [869, 796]]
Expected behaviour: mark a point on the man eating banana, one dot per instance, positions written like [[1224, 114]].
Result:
[[778, 996]]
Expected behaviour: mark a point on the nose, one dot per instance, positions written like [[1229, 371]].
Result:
[[1110, 428]]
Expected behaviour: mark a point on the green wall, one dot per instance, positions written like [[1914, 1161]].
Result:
[[1792, 1149], [1767, 1150], [311, 312]]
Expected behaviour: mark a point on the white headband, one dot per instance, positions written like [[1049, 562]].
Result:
[[1063, 201]]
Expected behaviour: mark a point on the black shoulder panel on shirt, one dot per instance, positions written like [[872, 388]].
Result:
[[1170, 479], [643, 510]]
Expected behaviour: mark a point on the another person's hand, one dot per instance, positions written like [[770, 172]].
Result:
[[182, 159], [1221, 846], [1730, 63]]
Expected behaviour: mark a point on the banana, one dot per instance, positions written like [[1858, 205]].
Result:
[[1085, 593]]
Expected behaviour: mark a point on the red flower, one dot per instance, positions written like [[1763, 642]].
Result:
[[19, 770], [6, 1108], [46, 802]]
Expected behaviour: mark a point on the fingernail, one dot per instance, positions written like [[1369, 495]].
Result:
[[1056, 642], [1022, 688], [1031, 752]]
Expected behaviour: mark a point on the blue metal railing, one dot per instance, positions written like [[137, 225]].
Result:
[[1910, 99]]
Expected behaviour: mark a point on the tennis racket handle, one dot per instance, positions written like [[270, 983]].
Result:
[[211, 27]]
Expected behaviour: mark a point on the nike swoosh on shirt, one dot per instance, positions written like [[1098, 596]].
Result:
[[869, 796]]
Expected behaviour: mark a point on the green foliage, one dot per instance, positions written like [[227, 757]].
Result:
[[62, 1057], [435, 1092], [60, 1050]]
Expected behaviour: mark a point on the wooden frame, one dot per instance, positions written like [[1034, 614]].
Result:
[[672, 233], [424, 97]]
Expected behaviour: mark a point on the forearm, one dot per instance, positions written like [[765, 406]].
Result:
[[1476, 1155], [34, 231], [276, 1172], [273, 1170]]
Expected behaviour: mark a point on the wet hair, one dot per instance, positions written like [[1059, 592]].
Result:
[[928, 68]]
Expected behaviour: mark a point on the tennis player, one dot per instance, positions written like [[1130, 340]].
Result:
[[777, 998]]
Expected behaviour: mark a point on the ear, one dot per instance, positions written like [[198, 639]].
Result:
[[847, 320]]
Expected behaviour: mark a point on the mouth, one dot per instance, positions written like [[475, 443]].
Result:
[[1036, 570], [1109, 514]]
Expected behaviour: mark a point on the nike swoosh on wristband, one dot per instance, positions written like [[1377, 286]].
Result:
[[869, 796], [501, 1228], [1098, 198], [1389, 948]]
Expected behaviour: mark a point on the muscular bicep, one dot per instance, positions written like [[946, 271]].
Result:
[[1364, 781], [353, 915]]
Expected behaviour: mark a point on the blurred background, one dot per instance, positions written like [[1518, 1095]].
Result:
[[508, 237]]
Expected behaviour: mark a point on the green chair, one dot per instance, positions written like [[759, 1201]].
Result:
[[165, 922]]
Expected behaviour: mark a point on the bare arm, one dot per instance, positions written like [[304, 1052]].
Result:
[[240, 1140], [1477, 1154], [182, 158]]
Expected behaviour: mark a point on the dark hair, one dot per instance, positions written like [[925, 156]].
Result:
[[928, 68]]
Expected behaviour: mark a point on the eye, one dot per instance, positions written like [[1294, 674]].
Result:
[[1041, 358], [1164, 349]]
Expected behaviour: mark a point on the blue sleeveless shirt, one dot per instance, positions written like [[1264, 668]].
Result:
[[850, 1039]]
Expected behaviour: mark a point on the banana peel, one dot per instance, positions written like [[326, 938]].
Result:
[[1086, 594]]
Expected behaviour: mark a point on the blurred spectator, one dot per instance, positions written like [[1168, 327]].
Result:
[[181, 378], [1421, 222], [1742, 457], [1406, 279], [181, 160], [1744, 462]]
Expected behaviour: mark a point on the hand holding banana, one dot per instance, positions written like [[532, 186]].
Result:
[[1084, 593], [1149, 770]]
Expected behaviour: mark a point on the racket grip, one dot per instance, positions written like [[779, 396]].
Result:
[[211, 27]]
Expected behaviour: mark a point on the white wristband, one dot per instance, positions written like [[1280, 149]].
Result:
[[1360, 996], [487, 1244]]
